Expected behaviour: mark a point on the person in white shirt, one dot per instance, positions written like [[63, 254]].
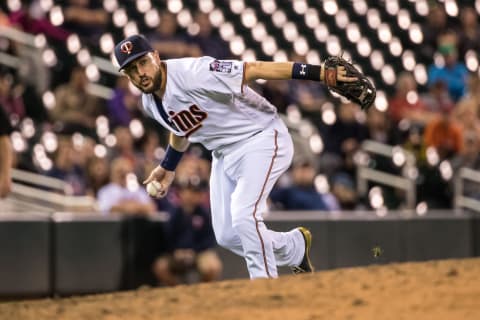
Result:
[[205, 100]]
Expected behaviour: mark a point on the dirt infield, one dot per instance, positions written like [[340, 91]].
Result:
[[448, 289]]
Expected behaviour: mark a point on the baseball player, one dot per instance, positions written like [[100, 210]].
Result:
[[205, 100]]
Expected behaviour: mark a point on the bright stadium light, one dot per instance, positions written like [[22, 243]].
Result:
[[27, 128], [259, 32], [249, 55], [46, 5], [420, 74], [184, 18], [398, 156], [49, 140], [130, 29], [330, 7], [321, 184], [477, 6], [381, 103], [415, 33], [446, 170], [93, 74], [321, 32], [49, 57], [290, 32], [412, 97], [293, 114], [360, 7], [373, 18], [14, 5], [40, 41], [316, 144], [376, 59], [102, 126], [269, 46], [136, 128], [438, 60], [120, 18], [279, 18], [110, 140], [100, 151], [110, 5], [408, 60], [193, 29], [432, 156], [143, 5], [421, 208], [388, 74], [83, 57], [152, 18], [227, 31], [216, 17], [174, 6], [333, 46], [341, 19], [384, 33], [471, 60], [237, 46], [376, 197], [363, 47], [237, 6], [268, 6], [56, 16], [313, 57], [353, 32], [48, 99], [421, 6], [301, 46], [18, 143], [300, 6], [328, 113], [311, 18], [206, 6], [403, 19], [280, 56], [249, 18], [395, 47], [451, 8], [73, 43], [106, 43], [391, 6]]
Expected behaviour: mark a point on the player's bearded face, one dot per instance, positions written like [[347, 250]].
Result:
[[145, 74]]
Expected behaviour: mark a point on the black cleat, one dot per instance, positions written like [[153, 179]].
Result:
[[306, 265]]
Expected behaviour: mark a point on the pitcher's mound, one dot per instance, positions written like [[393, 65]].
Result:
[[448, 289]]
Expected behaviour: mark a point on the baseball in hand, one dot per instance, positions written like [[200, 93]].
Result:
[[153, 188]]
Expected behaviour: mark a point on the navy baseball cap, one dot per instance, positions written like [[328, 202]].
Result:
[[130, 49]]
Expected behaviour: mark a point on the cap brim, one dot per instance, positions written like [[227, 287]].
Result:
[[130, 59]]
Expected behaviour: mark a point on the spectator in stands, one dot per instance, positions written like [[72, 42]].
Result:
[[453, 73], [87, 18], [466, 115], [6, 154], [75, 107], [24, 20], [343, 188], [122, 106], [437, 98], [469, 158], [65, 168], [11, 96], [118, 197], [302, 193], [191, 240], [444, 135], [148, 157], [124, 147], [435, 25], [469, 33], [97, 171], [210, 44], [379, 127], [406, 103], [169, 42]]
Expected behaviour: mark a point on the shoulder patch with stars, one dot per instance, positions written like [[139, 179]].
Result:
[[221, 66]]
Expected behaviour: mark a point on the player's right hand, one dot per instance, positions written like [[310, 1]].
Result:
[[162, 176]]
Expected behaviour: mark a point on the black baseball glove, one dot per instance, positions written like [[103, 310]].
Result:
[[360, 91]]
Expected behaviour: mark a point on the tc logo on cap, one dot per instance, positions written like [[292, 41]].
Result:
[[126, 47]]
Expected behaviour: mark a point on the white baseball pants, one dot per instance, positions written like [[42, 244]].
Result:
[[242, 177]]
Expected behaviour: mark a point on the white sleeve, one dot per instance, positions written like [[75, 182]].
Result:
[[221, 76]]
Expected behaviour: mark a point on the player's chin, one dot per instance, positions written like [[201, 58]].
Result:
[[148, 89]]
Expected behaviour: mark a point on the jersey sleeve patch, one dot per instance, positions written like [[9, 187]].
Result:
[[221, 66]]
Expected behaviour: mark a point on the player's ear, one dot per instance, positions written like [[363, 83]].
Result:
[[156, 56]]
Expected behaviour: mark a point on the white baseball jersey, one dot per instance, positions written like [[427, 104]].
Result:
[[207, 101]]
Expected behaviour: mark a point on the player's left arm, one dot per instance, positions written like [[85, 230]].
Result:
[[288, 70], [336, 73]]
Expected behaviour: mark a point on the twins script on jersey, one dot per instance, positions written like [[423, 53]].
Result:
[[207, 101]]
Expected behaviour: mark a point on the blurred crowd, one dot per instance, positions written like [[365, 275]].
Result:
[[105, 147]]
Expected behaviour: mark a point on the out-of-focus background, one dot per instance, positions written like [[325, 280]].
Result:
[[399, 182]]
